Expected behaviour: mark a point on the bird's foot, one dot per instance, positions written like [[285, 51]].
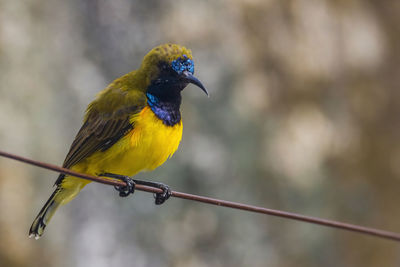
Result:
[[160, 198], [126, 190]]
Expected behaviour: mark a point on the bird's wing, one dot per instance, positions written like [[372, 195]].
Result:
[[104, 126]]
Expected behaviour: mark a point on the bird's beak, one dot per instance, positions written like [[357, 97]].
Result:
[[188, 77]]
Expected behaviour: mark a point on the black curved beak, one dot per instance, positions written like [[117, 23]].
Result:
[[189, 78]]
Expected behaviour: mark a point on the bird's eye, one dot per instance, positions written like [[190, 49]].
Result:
[[164, 66]]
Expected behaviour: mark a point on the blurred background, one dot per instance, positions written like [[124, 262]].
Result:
[[303, 116]]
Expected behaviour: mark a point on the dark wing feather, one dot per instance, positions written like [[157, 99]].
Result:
[[99, 132]]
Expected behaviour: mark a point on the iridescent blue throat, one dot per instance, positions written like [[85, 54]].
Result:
[[167, 111], [164, 93]]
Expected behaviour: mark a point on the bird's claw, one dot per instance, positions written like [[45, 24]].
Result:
[[128, 189], [160, 198]]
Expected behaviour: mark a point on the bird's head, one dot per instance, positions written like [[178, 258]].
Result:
[[169, 69]]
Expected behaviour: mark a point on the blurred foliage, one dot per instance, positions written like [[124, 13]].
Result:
[[303, 116]]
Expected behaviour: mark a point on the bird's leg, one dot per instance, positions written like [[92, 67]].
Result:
[[124, 191], [160, 198]]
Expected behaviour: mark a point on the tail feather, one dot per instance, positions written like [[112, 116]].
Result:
[[44, 216]]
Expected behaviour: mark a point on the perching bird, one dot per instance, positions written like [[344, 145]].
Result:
[[133, 125]]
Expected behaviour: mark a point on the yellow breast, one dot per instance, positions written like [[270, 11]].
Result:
[[146, 147], [152, 141]]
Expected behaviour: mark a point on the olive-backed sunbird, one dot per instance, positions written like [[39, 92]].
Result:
[[132, 125]]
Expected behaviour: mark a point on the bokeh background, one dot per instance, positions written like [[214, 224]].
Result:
[[303, 116]]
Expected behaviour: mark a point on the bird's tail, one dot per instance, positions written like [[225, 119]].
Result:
[[44, 216]]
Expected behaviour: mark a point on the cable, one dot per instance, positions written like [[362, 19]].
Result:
[[217, 202]]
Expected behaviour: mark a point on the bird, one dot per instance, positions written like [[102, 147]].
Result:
[[133, 125]]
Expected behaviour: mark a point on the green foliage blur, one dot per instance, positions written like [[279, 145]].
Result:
[[303, 116]]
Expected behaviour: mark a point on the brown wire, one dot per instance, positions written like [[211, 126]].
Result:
[[217, 202]]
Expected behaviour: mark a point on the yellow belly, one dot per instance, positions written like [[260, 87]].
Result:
[[146, 147]]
